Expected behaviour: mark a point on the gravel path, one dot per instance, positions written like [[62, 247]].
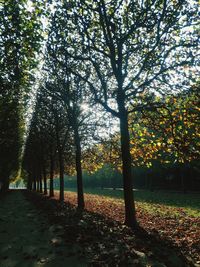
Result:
[[27, 239]]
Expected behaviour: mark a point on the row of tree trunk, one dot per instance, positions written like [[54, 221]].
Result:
[[38, 180]]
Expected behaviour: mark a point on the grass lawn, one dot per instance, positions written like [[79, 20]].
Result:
[[174, 217], [154, 201]]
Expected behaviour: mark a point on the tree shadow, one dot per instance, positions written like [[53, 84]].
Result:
[[26, 239], [90, 229], [158, 247]]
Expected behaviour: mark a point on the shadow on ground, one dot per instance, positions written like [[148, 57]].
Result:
[[105, 242], [27, 239]]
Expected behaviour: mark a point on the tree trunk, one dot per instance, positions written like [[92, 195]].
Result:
[[61, 170], [31, 186], [51, 189], [37, 185], [45, 179], [40, 182], [61, 164], [34, 183], [79, 173], [130, 216], [5, 186], [43, 169], [29, 183]]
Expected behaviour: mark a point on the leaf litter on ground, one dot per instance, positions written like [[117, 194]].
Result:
[[106, 241]]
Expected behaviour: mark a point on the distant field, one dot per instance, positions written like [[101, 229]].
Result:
[[152, 201]]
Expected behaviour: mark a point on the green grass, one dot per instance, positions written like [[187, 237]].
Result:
[[189, 203]]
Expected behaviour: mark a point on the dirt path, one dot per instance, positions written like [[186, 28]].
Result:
[[27, 240]]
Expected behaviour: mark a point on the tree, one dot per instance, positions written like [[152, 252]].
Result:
[[49, 137], [68, 89], [176, 129], [126, 49], [62, 131], [20, 41]]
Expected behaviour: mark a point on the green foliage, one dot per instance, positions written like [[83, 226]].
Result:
[[20, 42]]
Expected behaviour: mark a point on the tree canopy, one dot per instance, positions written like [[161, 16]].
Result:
[[115, 85]]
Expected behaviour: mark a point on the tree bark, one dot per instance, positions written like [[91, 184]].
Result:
[[43, 169], [37, 185], [61, 171], [51, 189], [34, 183], [130, 215], [80, 196], [29, 183], [40, 182], [5, 186], [61, 163], [44, 179]]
